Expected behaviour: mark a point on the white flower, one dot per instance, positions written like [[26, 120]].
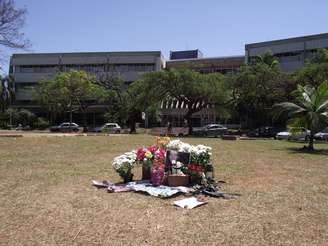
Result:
[[128, 159], [185, 147], [174, 144]]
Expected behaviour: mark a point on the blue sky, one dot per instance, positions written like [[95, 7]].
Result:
[[217, 28]]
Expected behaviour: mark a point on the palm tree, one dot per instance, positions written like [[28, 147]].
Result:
[[310, 109]]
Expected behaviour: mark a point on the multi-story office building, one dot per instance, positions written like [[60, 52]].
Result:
[[28, 69], [291, 52], [173, 111]]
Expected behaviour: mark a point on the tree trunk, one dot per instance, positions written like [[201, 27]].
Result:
[[132, 127], [311, 147], [85, 129], [70, 117], [188, 117]]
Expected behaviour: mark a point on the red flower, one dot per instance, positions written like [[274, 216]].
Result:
[[195, 167], [152, 149], [141, 154]]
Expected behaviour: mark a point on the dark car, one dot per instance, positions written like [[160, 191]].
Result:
[[264, 132], [212, 130], [65, 127]]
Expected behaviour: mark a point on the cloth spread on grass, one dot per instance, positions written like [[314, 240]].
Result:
[[142, 186]]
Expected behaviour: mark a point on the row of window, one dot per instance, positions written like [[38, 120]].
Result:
[[222, 70], [93, 68]]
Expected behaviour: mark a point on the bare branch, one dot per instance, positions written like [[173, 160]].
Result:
[[12, 20]]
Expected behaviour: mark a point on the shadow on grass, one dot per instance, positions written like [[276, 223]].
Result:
[[296, 150]]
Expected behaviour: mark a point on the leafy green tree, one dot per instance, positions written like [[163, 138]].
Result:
[[69, 91], [257, 87], [26, 117], [7, 94], [315, 70], [197, 91], [310, 110], [122, 102]]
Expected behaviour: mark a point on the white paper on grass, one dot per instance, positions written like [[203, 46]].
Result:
[[188, 203]]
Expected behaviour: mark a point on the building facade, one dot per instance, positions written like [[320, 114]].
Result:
[[28, 69], [292, 53]]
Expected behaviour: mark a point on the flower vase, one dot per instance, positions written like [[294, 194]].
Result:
[[128, 178], [146, 169], [157, 174]]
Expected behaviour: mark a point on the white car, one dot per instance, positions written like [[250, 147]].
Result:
[[283, 135], [300, 134], [110, 128]]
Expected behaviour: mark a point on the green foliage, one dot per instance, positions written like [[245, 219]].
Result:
[[41, 123], [6, 93], [257, 87], [315, 70], [26, 117], [121, 100], [69, 91], [310, 109], [195, 90]]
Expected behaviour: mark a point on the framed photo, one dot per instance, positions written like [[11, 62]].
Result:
[[173, 155]]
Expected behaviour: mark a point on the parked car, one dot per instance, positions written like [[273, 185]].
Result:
[[22, 128], [299, 134], [213, 130], [109, 127], [264, 132], [65, 127], [323, 135]]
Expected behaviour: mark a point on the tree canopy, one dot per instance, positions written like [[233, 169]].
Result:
[[69, 92], [315, 70], [257, 87], [191, 88]]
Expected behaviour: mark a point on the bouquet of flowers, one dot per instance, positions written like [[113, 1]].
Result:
[[124, 164], [197, 164], [200, 158], [146, 156]]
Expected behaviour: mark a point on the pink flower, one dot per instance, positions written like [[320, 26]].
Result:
[[141, 154], [160, 153]]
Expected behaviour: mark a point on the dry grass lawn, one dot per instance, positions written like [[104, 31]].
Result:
[[46, 197]]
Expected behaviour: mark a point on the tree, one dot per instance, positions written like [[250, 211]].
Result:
[[310, 109], [12, 19], [196, 91], [26, 117], [7, 96], [315, 70], [115, 97], [69, 91], [257, 87]]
